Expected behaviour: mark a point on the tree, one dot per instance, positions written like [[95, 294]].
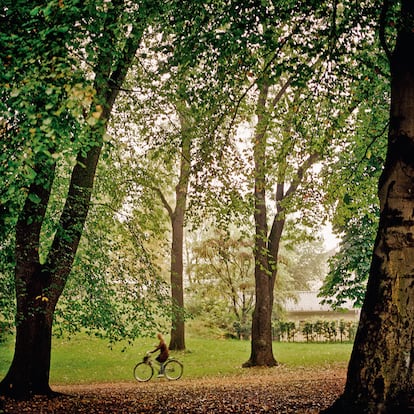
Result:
[[115, 290], [267, 244], [288, 140], [354, 207], [325, 61], [223, 272], [187, 83], [168, 133], [177, 215], [44, 32], [349, 267], [380, 371]]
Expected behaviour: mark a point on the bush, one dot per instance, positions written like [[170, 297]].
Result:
[[314, 331]]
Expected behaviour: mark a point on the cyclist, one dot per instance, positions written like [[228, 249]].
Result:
[[164, 354]]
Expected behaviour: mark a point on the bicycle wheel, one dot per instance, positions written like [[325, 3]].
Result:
[[173, 369], [143, 372]]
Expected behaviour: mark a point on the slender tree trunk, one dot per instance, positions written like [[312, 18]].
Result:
[[261, 343], [380, 373], [177, 340]]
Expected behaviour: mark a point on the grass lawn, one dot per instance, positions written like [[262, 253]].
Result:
[[84, 359]]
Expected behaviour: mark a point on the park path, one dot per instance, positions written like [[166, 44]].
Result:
[[278, 390]]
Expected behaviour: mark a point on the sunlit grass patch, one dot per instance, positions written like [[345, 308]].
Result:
[[84, 359]]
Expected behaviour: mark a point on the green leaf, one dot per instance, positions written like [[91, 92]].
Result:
[[34, 198]]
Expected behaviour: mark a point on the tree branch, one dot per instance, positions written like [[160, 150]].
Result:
[[312, 159], [164, 201]]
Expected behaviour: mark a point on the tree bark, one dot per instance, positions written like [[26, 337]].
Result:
[[380, 372], [177, 339], [39, 285], [267, 244], [29, 370], [261, 343]]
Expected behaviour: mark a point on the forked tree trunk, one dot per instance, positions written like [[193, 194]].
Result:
[[39, 286], [267, 243], [380, 374]]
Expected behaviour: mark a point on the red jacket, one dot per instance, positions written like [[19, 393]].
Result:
[[164, 354]]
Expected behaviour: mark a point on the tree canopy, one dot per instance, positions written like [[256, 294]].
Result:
[[126, 125]]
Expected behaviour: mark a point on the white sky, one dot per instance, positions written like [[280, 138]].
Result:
[[330, 240]]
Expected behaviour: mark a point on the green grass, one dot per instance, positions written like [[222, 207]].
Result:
[[84, 359]]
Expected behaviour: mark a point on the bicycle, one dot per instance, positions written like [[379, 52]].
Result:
[[172, 369]]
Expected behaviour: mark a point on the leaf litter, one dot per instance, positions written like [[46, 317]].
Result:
[[275, 390]]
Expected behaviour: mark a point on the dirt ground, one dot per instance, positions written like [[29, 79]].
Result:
[[260, 391]]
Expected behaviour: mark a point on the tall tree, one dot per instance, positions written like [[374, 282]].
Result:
[[177, 215], [49, 29], [186, 85], [300, 111], [167, 137], [267, 243], [285, 144], [380, 371]]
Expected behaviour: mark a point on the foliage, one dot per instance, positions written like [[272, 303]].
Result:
[[222, 284], [65, 64], [349, 267], [203, 60], [42, 96], [355, 206], [303, 258], [315, 331], [115, 291], [172, 103]]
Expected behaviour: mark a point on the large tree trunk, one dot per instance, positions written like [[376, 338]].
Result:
[[39, 286], [380, 374], [29, 370]]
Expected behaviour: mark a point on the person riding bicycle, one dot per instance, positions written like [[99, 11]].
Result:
[[164, 353]]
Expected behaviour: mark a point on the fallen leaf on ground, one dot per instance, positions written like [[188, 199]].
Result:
[[305, 391]]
